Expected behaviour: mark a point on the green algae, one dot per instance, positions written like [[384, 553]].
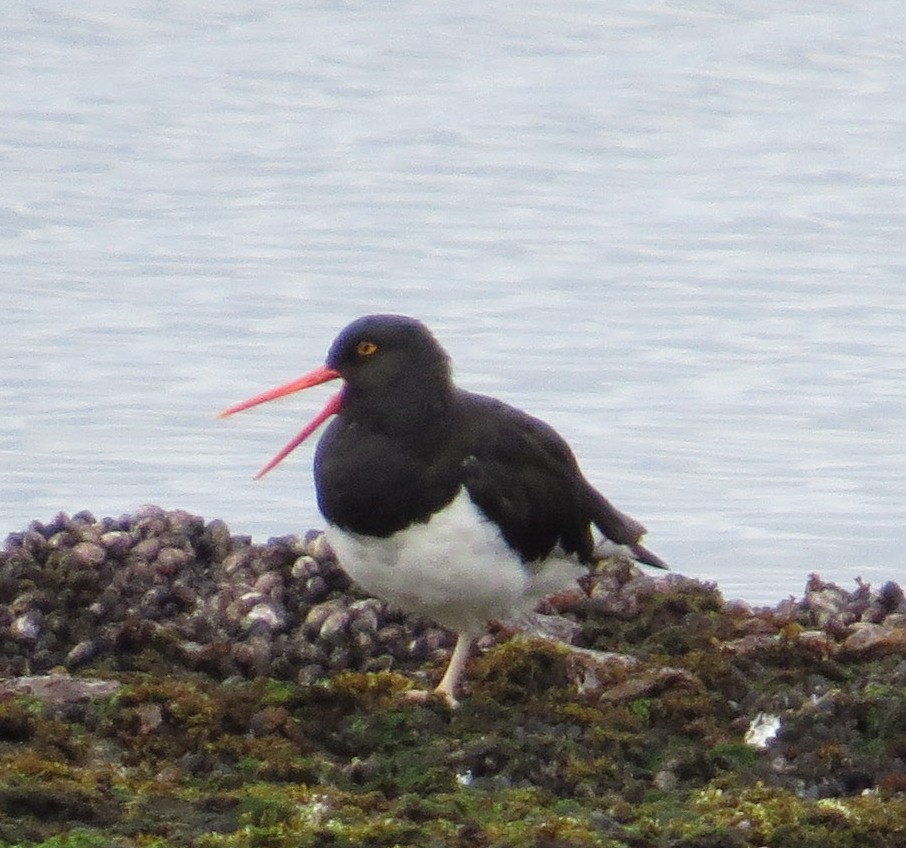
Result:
[[348, 764], [653, 757]]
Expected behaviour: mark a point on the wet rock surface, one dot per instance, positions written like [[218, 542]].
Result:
[[166, 680]]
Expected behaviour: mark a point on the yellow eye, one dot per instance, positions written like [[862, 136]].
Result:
[[366, 349]]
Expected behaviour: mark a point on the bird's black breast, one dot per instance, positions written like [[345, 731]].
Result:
[[370, 483]]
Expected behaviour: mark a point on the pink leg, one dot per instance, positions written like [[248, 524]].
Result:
[[455, 668]]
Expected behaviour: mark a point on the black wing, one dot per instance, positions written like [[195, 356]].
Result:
[[523, 475]]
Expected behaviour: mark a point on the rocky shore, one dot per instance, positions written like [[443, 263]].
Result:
[[166, 683]]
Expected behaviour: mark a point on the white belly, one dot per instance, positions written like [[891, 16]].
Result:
[[456, 569]]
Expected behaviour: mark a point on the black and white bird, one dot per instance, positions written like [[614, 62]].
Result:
[[450, 505]]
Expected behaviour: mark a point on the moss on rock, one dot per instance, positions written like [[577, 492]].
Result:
[[211, 706]]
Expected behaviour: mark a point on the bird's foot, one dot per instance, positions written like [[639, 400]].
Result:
[[446, 689], [420, 697]]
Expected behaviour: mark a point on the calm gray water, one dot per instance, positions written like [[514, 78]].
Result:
[[677, 234]]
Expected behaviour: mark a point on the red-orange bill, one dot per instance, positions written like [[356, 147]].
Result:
[[333, 407], [313, 378]]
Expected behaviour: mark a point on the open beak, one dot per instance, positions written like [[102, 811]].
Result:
[[313, 378]]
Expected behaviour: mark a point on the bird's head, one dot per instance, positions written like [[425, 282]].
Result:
[[382, 356], [392, 367]]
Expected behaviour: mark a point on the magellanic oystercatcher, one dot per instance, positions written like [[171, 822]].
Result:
[[450, 505]]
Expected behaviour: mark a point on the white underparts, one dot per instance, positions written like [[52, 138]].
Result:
[[455, 569]]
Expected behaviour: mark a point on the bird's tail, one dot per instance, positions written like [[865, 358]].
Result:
[[620, 528], [643, 555]]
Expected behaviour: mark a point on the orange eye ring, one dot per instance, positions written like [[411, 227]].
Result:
[[366, 348]]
